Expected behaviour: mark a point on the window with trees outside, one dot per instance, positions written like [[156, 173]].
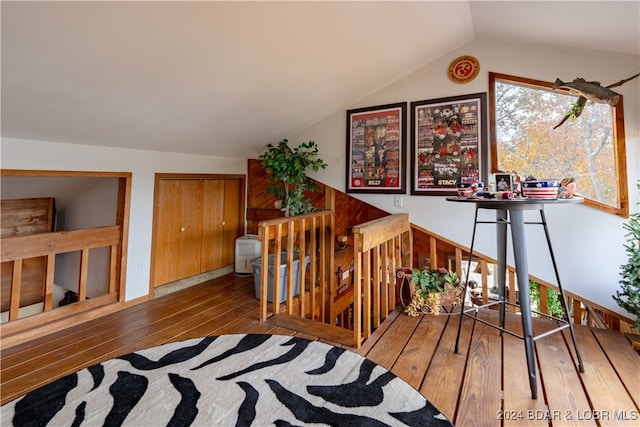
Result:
[[529, 137]]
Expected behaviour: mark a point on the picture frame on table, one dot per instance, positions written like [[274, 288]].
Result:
[[376, 149], [504, 181], [448, 143]]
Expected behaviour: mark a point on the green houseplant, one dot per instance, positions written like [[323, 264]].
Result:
[[287, 167], [433, 291], [629, 297], [554, 306]]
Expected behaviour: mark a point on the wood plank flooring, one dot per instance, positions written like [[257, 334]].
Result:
[[485, 384]]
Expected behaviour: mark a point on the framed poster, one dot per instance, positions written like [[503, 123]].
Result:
[[376, 144], [448, 143]]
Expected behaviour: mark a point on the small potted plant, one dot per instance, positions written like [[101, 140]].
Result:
[[435, 291], [287, 167]]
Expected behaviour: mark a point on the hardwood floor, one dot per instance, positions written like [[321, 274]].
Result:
[[486, 384]]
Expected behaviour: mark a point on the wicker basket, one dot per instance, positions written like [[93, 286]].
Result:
[[435, 303]]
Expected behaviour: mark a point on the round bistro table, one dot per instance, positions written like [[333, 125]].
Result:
[[511, 212]]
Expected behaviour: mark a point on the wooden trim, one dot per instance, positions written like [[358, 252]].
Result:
[[119, 258], [48, 244], [61, 173], [31, 327], [199, 176], [44, 244], [618, 137], [386, 228], [135, 301], [621, 159], [189, 176]]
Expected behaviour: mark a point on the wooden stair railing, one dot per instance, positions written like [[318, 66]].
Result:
[[310, 236], [380, 246], [48, 245], [454, 257]]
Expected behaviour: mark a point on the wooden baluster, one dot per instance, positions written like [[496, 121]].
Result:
[[302, 296], [386, 285], [16, 283], [263, 236], [433, 253], [48, 284], [277, 260], [577, 312], [366, 293], [512, 288], [290, 254], [113, 271], [84, 274], [544, 296], [357, 291], [376, 283]]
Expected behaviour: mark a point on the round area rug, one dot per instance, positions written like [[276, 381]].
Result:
[[228, 380]]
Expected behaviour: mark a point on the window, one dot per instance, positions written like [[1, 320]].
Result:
[[590, 148]]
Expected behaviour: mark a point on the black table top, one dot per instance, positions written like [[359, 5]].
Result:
[[522, 202]]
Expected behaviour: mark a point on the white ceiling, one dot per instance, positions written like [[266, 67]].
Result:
[[226, 78]]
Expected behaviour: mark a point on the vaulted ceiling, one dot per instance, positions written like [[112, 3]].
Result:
[[225, 78]]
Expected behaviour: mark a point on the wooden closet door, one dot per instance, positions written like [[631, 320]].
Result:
[[233, 218], [178, 230], [212, 225], [222, 222]]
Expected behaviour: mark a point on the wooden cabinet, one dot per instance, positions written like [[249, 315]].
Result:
[[196, 222]]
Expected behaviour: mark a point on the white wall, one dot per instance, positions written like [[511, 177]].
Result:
[[96, 206], [42, 155], [588, 243]]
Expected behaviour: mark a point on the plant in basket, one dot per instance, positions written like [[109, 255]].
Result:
[[434, 291]]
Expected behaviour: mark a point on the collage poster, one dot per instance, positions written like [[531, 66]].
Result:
[[376, 150], [446, 144]]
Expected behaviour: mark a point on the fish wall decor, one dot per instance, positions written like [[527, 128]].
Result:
[[589, 91]]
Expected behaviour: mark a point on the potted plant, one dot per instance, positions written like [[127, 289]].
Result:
[[435, 291], [629, 297], [287, 167]]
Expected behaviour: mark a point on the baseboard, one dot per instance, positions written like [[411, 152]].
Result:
[[191, 281]]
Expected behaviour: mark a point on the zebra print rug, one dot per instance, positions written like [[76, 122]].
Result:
[[228, 380]]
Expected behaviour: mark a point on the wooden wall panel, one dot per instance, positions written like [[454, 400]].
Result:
[[422, 245], [23, 217], [349, 210]]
